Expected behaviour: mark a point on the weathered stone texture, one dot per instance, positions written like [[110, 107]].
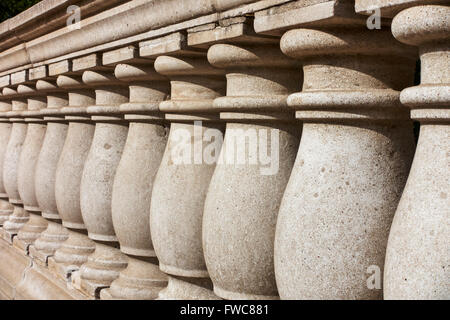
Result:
[[225, 149]]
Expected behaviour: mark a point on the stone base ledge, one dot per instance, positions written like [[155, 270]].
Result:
[[13, 266], [7, 236], [62, 271], [40, 257], [21, 278], [21, 245], [389, 8], [40, 284]]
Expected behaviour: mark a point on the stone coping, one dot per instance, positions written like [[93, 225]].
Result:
[[389, 8], [46, 16], [104, 30], [39, 37]]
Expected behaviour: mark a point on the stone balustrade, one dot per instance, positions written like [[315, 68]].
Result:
[[183, 177], [50, 240], [10, 163], [6, 208], [73, 252], [105, 263], [36, 128], [225, 149]]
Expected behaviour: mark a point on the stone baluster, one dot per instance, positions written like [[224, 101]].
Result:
[[182, 180], [11, 163], [133, 183], [259, 148], [103, 266], [352, 163], [36, 100], [6, 209], [34, 139], [50, 240], [76, 249], [417, 257]]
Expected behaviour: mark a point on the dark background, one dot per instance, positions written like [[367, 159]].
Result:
[[10, 8]]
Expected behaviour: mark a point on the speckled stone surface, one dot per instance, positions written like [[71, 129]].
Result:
[[6, 209], [417, 258], [10, 168], [140, 280], [102, 160], [97, 180], [179, 189], [101, 269], [55, 135], [29, 155], [76, 249], [243, 199], [352, 163], [69, 172], [133, 187], [11, 160], [133, 182], [72, 253], [46, 168], [178, 149]]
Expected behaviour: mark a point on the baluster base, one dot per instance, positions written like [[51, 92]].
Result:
[[15, 221], [48, 242], [182, 288], [140, 280], [72, 254], [6, 209], [30, 232], [101, 269]]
